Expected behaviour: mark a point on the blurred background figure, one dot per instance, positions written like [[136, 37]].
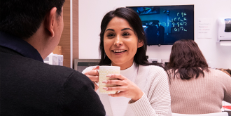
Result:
[[194, 87]]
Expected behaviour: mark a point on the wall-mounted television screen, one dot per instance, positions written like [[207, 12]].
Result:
[[163, 25]]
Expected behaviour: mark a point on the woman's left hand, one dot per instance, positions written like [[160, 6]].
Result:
[[125, 87]]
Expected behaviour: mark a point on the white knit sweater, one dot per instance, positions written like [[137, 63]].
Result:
[[156, 101]]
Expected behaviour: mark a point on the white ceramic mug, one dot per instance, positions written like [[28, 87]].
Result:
[[103, 72]]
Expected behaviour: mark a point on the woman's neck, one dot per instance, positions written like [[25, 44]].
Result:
[[123, 66]]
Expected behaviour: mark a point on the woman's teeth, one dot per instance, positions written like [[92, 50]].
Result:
[[118, 51]]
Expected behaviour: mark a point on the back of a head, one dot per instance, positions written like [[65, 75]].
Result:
[[187, 59], [22, 18], [135, 22]]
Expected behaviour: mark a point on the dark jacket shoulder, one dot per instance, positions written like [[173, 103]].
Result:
[[31, 87]]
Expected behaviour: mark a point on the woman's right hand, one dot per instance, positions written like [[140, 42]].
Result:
[[93, 75]]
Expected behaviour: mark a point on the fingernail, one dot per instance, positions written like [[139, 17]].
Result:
[[105, 81], [105, 88], [108, 75]]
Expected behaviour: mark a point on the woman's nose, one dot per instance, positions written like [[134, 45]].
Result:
[[118, 41]]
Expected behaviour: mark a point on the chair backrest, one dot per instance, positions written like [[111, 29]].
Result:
[[210, 114], [81, 64]]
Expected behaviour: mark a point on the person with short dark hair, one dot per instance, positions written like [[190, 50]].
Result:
[[194, 87], [143, 88], [29, 31]]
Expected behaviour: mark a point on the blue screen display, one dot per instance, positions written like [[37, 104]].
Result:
[[163, 25]]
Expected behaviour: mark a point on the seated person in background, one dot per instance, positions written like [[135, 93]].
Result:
[[144, 89], [227, 71], [195, 88], [29, 31], [151, 34]]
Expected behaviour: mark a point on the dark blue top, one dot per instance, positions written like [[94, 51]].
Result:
[[20, 46]]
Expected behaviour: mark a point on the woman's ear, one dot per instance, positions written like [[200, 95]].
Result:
[[140, 43], [50, 21]]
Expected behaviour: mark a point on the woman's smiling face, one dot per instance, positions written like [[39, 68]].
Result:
[[120, 43]]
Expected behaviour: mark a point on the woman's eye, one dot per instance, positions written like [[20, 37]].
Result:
[[126, 34], [110, 35]]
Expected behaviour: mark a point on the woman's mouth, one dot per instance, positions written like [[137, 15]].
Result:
[[119, 51]]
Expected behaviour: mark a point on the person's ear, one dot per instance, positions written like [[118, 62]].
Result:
[[140, 43], [50, 21]]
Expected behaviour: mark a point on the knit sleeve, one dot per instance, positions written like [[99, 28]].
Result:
[[226, 81], [88, 69], [157, 102]]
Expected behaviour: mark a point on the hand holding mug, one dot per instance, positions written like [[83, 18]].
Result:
[[103, 72], [93, 75], [125, 87]]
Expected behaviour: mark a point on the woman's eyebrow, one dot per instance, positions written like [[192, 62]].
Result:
[[110, 30], [121, 29], [126, 29]]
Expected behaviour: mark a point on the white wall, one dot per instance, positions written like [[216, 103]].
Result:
[[91, 13]]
